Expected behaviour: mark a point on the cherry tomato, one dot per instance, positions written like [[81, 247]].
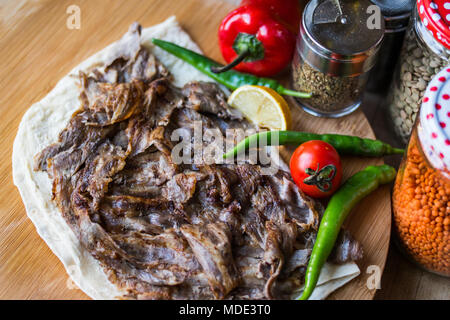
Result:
[[316, 168]]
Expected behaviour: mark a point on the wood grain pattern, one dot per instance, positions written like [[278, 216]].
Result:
[[37, 49], [403, 280]]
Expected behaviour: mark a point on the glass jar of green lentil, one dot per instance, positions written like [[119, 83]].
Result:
[[425, 52]]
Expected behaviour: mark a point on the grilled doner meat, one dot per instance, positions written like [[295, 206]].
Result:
[[165, 230]]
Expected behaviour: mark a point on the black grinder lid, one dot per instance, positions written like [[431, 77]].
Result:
[[341, 26], [393, 8]]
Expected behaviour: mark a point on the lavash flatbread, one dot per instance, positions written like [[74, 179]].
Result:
[[40, 126]]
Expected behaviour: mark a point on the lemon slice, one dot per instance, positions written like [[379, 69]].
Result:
[[262, 106]]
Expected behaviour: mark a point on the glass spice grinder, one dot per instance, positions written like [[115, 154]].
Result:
[[336, 47]]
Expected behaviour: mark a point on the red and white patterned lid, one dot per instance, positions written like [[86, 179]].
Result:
[[434, 128], [435, 15]]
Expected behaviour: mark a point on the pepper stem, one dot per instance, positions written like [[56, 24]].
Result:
[[293, 93], [398, 151], [241, 57]]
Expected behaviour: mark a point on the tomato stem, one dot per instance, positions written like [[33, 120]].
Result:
[[321, 178]]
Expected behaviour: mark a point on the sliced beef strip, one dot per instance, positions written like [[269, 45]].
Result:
[[121, 214], [75, 144], [146, 68], [253, 225], [247, 260], [166, 248], [112, 103], [212, 248], [167, 230], [207, 97], [298, 259], [231, 216], [130, 60], [279, 243], [181, 187], [272, 262], [161, 99], [346, 249], [99, 172], [128, 46], [299, 207], [218, 183], [145, 174], [118, 253], [249, 179]]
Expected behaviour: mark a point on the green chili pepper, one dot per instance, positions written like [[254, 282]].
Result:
[[231, 79], [349, 194], [351, 145]]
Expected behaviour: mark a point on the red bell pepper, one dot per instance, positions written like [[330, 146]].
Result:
[[289, 12], [254, 41]]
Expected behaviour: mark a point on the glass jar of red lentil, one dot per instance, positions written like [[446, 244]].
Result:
[[421, 193]]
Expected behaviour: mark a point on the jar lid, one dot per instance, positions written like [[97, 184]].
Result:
[[343, 28], [435, 15], [434, 129], [396, 13], [395, 8]]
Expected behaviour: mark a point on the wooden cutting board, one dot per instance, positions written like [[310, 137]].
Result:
[[37, 49]]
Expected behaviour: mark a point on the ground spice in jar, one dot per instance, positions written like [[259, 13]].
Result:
[[422, 210], [330, 93], [418, 64]]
